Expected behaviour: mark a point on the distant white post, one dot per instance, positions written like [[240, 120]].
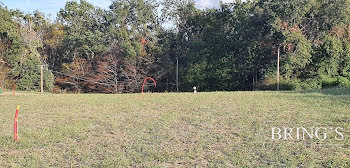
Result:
[[41, 79], [278, 68], [177, 74]]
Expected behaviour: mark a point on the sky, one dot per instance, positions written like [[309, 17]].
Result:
[[202, 4], [51, 7]]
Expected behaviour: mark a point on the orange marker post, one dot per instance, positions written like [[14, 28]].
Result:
[[13, 89], [16, 124]]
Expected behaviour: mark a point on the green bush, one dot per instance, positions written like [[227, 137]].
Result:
[[343, 82], [295, 84], [290, 84], [29, 81], [48, 80], [310, 84], [329, 82], [335, 82]]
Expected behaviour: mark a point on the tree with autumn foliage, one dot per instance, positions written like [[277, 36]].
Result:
[[109, 72]]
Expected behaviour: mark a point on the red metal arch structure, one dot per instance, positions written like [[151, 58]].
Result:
[[144, 81]]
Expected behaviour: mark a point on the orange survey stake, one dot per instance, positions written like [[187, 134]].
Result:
[[13, 89], [16, 124]]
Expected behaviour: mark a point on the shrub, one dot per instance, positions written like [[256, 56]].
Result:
[[270, 84], [295, 84], [343, 82], [335, 82], [48, 80], [310, 84], [28, 81], [290, 84]]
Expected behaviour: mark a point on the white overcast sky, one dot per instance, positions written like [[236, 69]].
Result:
[[209, 3]]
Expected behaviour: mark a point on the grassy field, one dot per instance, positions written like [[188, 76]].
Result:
[[218, 129]]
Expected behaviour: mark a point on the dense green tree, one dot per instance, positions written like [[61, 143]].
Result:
[[22, 41], [83, 26]]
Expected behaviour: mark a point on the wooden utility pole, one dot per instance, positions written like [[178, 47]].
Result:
[[177, 74], [278, 68], [41, 78]]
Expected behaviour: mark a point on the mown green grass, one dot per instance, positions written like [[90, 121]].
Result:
[[219, 129]]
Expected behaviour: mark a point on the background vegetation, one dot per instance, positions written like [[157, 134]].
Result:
[[234, 47]]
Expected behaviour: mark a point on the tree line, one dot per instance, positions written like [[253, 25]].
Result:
[[232, 47]]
